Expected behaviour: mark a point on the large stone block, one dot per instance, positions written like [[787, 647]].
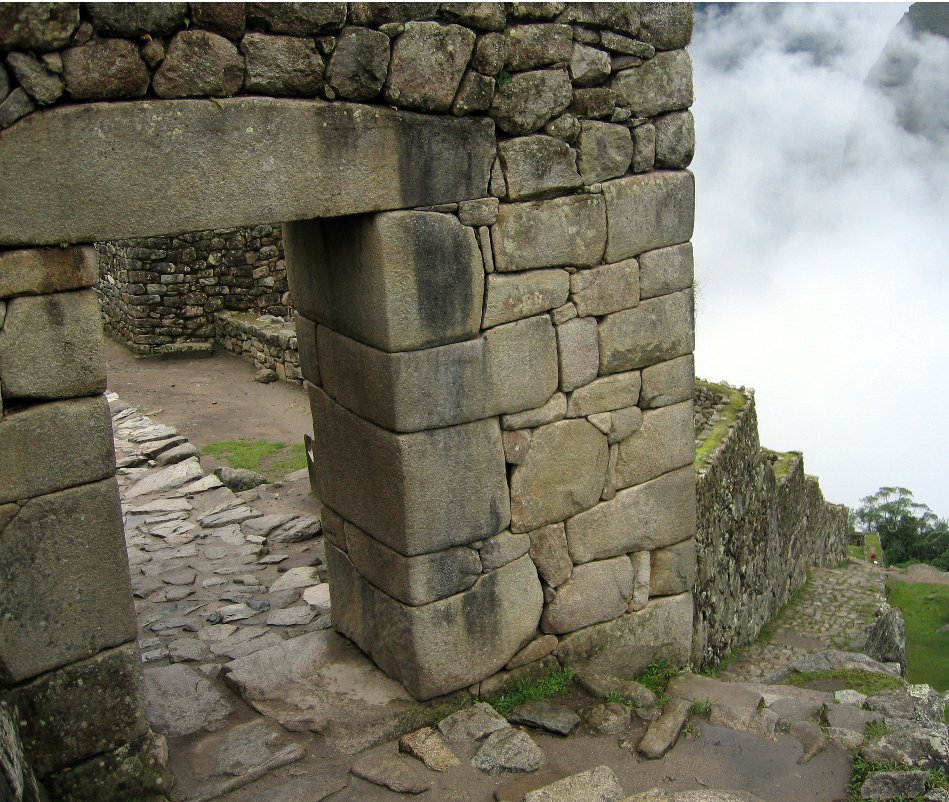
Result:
[[666, 270], [606, 151], [446, 645], [555, 233], [298, 19], [563, 473], [417, 492], [649, 516], [64, 572], [49, 447], [606, 289], [605, 394], [199, 63], [82, 709], [398, 281], [622, 648], [530, 99], [281, 65], [105, 69], [135, 20], [663, 83], [675, 140], [650, 211], [666, 26], [538, 45], [595, 592], [519, 295], [428, 62], [668, 382], [413, 580], [672, 570], [51, 346], [359, 64], [39, 271], [193, 165], [306, 345], [579, 349], [665, 441], [509, 369], [538, 165], [657, 330]]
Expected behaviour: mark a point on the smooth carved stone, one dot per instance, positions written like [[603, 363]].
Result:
[[538, 165], [625, 646], [668, 382], [596, 785], [526, 102], [664, 83], [472, 723], [588, 66], [536, 650], [416, 493], [578, 348], [555, 409], [510, 368], [105, 69], [663, 508], [439, 647], [549, 552], [563, 473], [606, 289], [281, 65], [665, 442], [134, 20], [298, 19], [413, 580], [429, 746], [508, 750], [673, 569], [502, 549], [595, 592], [642, 581], [37, 27], [428, 62], [51, 346], [554, 233], [539, 45], [519, 295], [474, 95], [606, 151], [657, 330], [675, 140], [644, 147], [227, 19], [618, 424], [199, 63], [42, 85], [645, 212], [665, 270], [397, 281], [605, 394], [359, 64]]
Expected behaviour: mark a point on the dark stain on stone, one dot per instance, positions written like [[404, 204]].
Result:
[[442, 278]]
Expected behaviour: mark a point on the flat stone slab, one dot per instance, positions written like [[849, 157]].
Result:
[[430, 747], [509, 749], [472, 723], [392, 771], [663, 732], [180, 701], [543, 715], [596, 785]]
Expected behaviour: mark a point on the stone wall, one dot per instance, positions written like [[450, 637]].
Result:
[[161, 294], [269, 342], [761, 522]]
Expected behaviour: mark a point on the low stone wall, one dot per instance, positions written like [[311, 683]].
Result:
[[268, 341], [761, 522]]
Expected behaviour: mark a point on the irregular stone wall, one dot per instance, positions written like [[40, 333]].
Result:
[[761, 522], [269, 342], [161, 294]]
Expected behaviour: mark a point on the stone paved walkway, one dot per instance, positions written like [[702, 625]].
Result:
[[832, 612]]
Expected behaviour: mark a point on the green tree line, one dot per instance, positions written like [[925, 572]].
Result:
[[909, 531]]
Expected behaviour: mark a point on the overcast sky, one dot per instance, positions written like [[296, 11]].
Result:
[[822, 280]]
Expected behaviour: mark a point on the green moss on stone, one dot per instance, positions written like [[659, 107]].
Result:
[[729, 414]]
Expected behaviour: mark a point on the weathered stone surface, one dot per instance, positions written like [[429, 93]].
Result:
[[359, 64], [555, 409], [616, 43], [886, 639], [578, 349], [166, 479], [134, 20], [605, 289], [672, 569], [597, 101], [16, 105], [538, 45], [665, 270], [663, 83], [300, 577], [644, 147], [515, 445], [474, 94], [543, 715], [596, 785], [605, 394], [19, 782], [508, 750], [81, 430], [237, 479], [281, 65], [534, 652], [618, 424], [490, 53], [306, 344], [291, 616], [83, 709], [606, 151], [538, 165], [611, 718], [658, 330], [428, 62], [511, 368], [549, 552], [227, 19], [480, 212], [563, 473], [482, 16], [675, 140], [588, 65], [668, 382], [199, 63], [397, 281], [429, 746], [645, 212], [665, 442], [666, 26], [602, 685], [595, 592], [472, 723], [298, 19], [105, 69], [181, 701], [565, 127], [663, 732], [390, 13], [891, 785], [42, 85], [37, 26], [642, 565], [663, 508], [625, 646], [554, 233], [439, 647], [502, 549], [296, 531], [523, 104]]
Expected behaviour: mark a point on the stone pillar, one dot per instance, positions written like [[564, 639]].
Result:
[[69, 664]]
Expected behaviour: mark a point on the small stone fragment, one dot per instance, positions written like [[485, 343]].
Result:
[[430, 747], [508, 749], [472, 723], [663, 732], [391, 771], [611, 718]]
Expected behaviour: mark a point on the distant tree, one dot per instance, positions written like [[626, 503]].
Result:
[[908, 529]]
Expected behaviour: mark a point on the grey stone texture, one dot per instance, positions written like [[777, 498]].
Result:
[[480, 212], [588, 65], [427, 65], [645, 212], [555, 409], [393, 772], [605, 394], [359, 64], [39, 271], [42, 85], [553, 233], [51, 347], [77, 438], [508, 750], [595, 592], [105, 69], [664, 83], [666, 26], [548, 550], [662, 733], [663, 508], [37, 26], [71, 593], [658, 330], [554, 718], [474, 94], [672, 569], [618, 424], [472, 723], [665, 442], [598, 101], [675, 140], [430, 747], [622, 17], [182, 702], [136, 19], [579, 352], [417, 492], [537, 45], [502, 549], [481, 16], [605, 151], [606, 289], [281, 65], [227, 19], [199, 63], [668, 382], [306, 343], [16, 105], [490, 53], [538, 165], [530, 99], [644, 147], [515, 296], [642, 567], [397, 281], [665, 270], [508, 369], [598, 784], [305, 19], [439, 647]]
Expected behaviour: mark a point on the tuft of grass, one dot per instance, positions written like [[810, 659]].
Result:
[[273, 459], [613, 696], [701, 708], [729, 414], [862, 768], [656, 677], [536, 689], [875, 730], [926, 610], [784, 462], [866, 682]]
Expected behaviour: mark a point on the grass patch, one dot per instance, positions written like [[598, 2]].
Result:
[[866, 682], [273, 460], [656, 677], [784, 462], [875, 730], [862, 768], [613, 696], [729, 414], [872, 544], [926, 610], [537, 689], [701, 708]]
